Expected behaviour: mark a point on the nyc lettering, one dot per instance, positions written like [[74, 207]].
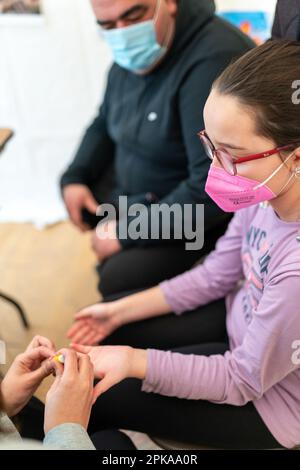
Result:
[[255, 237]]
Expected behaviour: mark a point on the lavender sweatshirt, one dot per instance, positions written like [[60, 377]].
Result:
[[256, 265]]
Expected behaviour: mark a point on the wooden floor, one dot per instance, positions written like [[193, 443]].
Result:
[[52, 274]]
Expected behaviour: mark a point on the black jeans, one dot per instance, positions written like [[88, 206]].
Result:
[[140, 268], [30, 423], [198, 422]]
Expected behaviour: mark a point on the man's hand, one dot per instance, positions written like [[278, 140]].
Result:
[[26, 374], [105, 242], [78, 197]]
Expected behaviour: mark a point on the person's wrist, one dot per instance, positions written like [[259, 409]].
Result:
[[63, 421], [9, 408], [138, 363], [117, 312]]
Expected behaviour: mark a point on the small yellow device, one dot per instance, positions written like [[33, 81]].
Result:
[[59, 358]]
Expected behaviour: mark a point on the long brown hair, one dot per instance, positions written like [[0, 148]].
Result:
[[264, 81]]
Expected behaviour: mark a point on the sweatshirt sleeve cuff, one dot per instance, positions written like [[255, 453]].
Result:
[[154, 373], [69, 436], [170, 291], [66, 180]]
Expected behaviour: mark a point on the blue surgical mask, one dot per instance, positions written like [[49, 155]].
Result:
[[136, 48]]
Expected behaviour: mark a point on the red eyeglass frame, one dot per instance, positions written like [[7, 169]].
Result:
[[217, 153]]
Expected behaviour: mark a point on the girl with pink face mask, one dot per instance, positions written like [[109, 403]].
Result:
[[222, 370]]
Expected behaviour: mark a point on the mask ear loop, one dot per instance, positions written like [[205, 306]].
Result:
[[275, 173], [157, 10], [295, 174]]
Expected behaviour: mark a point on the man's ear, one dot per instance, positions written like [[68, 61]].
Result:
[[172, 6]]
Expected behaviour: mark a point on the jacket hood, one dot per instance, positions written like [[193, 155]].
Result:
[[192, 16]]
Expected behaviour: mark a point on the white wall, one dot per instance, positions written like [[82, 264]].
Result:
[[52, 77], [267, 5]]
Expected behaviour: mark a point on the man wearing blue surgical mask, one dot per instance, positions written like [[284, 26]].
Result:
[[139, 47], [143, 144]]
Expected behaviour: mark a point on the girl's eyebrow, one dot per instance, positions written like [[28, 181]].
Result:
[[223, 144], [229, 146]]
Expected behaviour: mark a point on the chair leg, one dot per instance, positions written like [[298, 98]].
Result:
[[20, 310]]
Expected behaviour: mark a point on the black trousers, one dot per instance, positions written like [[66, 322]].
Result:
[[140, 268], [30, 423], [198, 422]]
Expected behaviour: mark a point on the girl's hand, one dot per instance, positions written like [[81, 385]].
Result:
[[70, 398], [112, 364], [26, 374], [95, 323]]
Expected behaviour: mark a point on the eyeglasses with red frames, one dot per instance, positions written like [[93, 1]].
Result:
[[227, 161]]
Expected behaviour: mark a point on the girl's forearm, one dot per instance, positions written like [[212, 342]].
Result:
[[146, 304]]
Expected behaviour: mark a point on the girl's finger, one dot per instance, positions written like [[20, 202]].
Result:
[[80, 335], [92, 339], [77, 326], [80, 348]]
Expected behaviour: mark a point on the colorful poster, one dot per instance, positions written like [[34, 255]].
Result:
[[256, 24]]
